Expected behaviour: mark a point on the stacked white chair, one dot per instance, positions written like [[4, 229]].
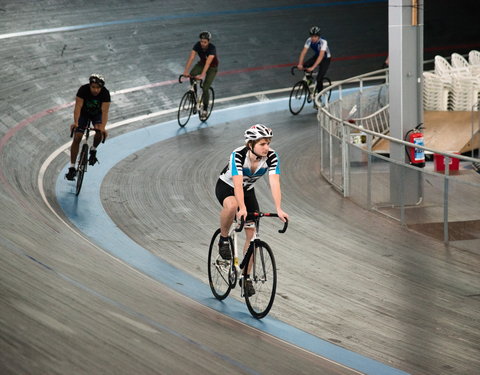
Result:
[[461, 65], [463, 83], [464, 93], [436, 93], [474, 57]]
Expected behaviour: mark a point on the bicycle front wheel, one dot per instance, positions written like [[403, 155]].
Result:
[[221, 273], [298, 97], [263, 274], [185, 108], [82, 167]]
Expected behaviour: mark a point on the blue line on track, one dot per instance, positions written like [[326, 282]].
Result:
[[189, 15], [87, 213]]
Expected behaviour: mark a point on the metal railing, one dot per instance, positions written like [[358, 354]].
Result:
[[421, 198]]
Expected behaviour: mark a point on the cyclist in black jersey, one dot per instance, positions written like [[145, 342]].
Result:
[[92, 104], [205, 69], [321, 57], [234, 188]]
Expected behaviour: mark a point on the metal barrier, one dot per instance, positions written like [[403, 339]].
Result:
[[447, 205]]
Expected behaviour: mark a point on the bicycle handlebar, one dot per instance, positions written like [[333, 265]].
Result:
[[262, 214], [88, 129], [198, 80]]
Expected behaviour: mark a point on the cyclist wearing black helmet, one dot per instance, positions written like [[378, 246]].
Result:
[[91, 106], [320, 59], [206, 68]]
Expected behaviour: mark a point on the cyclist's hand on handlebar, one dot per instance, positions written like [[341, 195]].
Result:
[[200, 77], [309, 69], [73, 127], [282, 215], [242, 213], [300, 67]]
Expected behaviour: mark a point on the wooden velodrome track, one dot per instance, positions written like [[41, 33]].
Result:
[[346, 276]]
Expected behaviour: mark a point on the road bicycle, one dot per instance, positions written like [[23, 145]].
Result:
[[304, 91], [82, 160], [191, 104], [258, 264]]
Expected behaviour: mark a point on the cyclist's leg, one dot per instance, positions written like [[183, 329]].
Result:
[[96, 121], [252, 206], [196, 70], [77, 138], [322, 70], [210, 76], [226, 196]]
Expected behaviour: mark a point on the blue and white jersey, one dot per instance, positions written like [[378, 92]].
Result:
[[321, 45], [239, 165]]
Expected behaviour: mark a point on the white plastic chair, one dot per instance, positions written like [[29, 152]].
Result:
[[442, 66], [464, 93], [474, 57], [459, 62], [436, 93]]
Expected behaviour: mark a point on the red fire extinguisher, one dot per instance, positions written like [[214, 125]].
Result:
[[415, 155]]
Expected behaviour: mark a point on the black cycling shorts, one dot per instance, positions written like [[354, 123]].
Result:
[[84, 122], [224, 190]]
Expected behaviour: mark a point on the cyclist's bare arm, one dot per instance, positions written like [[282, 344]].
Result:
[[317, 61], [301, 58], [76, 112], [274, 180], [105, 109], [239, 196], [205, 68], [186, 72]]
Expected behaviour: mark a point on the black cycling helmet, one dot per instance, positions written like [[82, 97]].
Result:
[[97, 78], [205, 35], [315, 30]]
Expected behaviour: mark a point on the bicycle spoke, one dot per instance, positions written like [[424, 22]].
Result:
[[82, 168], [298, 97], [219, 270], [185, 108], [264, 278]]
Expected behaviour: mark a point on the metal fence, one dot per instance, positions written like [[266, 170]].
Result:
[[445, 205]]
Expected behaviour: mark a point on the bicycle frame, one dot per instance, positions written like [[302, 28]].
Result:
[[192, 102], [194, 83], [247, 257]]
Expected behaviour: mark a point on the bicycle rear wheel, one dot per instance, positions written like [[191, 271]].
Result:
[[185, 108], [264, 278], [221, 273], [298, 97], [82, 167]]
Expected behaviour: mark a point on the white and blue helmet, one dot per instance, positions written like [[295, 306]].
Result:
[[256, 132]]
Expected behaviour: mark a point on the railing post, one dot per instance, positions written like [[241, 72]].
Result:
[[345, 160], [445, 200], [369, 171]]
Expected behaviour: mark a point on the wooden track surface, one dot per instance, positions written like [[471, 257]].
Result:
[[345, 275], [350, 277]]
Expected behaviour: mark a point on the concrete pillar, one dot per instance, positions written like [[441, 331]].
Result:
[[405, 47]]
